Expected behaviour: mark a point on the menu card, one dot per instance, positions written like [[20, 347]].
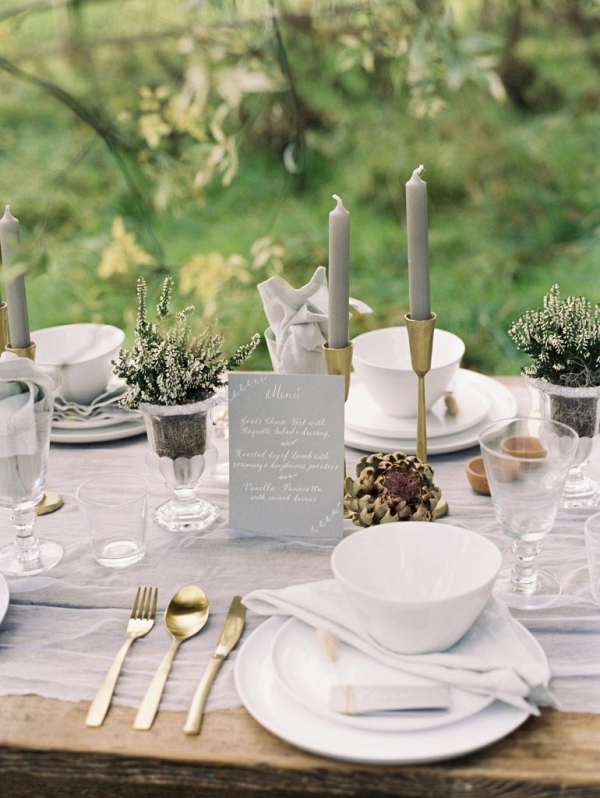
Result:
[[286, 454]]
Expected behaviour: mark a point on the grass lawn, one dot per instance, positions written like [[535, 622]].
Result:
[[514, 197]]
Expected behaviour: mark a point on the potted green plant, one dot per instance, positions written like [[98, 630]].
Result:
[[563, 340], [175, 378], [169, 365]]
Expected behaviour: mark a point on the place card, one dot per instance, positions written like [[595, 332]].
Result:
[[286, 454]]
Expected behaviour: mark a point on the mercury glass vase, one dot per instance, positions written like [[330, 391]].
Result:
[[180, 452], [578, 408]]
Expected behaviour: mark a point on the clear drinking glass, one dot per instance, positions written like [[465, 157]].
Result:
[[22, 481], [115, 508], [527, 461]]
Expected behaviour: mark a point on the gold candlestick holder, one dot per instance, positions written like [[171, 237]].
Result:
[[50, 501], [339, 362], [22, 351], [420, 340]]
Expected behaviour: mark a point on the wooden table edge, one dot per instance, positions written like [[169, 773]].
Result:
[[45, 742]]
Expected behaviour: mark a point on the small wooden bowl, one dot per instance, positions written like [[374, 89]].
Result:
[[524, 447], [477, 476]]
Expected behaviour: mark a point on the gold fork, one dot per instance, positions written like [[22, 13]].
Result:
[[141, 620]]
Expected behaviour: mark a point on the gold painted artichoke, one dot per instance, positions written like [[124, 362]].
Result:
[[390, 487]]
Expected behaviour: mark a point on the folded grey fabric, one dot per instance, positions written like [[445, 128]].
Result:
[[494, 657], [298, 320], [26, 399], [105, 408], [26, 392], [106, 402]]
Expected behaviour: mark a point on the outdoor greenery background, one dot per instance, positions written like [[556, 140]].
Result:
[[204, 139]]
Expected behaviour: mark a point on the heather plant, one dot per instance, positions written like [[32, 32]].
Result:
[[168, 364], [563, 340]]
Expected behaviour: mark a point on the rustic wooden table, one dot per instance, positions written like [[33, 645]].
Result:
[[46, 751]]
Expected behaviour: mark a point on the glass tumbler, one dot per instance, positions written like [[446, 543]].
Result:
[[115, 509]]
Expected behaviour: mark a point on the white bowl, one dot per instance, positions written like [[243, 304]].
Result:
[[416, 586], [381, 359], [82, 353]]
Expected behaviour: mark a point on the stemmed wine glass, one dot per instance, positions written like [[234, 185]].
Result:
[[22, 481], [527, 461]]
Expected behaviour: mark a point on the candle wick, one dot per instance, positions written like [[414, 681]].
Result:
[[340, 205]]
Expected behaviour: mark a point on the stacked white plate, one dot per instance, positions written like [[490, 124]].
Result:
[[284, 680], [479, 401], [102, 420]]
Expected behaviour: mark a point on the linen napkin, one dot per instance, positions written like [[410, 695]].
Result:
[[298, 320], [104, 408], [26, 396], [492, 658], [299, 323]]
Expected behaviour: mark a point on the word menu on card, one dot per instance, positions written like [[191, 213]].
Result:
[[286, 454]]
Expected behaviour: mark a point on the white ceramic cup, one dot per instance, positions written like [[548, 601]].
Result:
[[115, 509], [416, 587], [381, 360], [82, 353]]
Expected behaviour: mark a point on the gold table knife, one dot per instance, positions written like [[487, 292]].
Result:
[[230, 634]]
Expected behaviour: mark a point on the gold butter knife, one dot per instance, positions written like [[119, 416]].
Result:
[[230, 634]]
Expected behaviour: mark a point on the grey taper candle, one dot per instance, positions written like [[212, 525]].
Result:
[[339, 275], [16, 300], [418, 247]]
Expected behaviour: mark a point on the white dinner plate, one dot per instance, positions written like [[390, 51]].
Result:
[[4, 598], [103, 411], [96, 422], [308, 676], [107, 432], [272, 707], [473, 399], [504, 405]]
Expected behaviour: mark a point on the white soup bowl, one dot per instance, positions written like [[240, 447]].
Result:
[[381, 360], [82, 353], [416, 586]]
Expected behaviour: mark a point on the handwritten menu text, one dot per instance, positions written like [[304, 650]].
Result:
[[286, 454]]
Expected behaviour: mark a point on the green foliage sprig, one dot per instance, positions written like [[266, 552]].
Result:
[[167, 364], [563, 340]]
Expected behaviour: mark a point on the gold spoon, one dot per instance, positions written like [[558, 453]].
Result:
[[184, 617]]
